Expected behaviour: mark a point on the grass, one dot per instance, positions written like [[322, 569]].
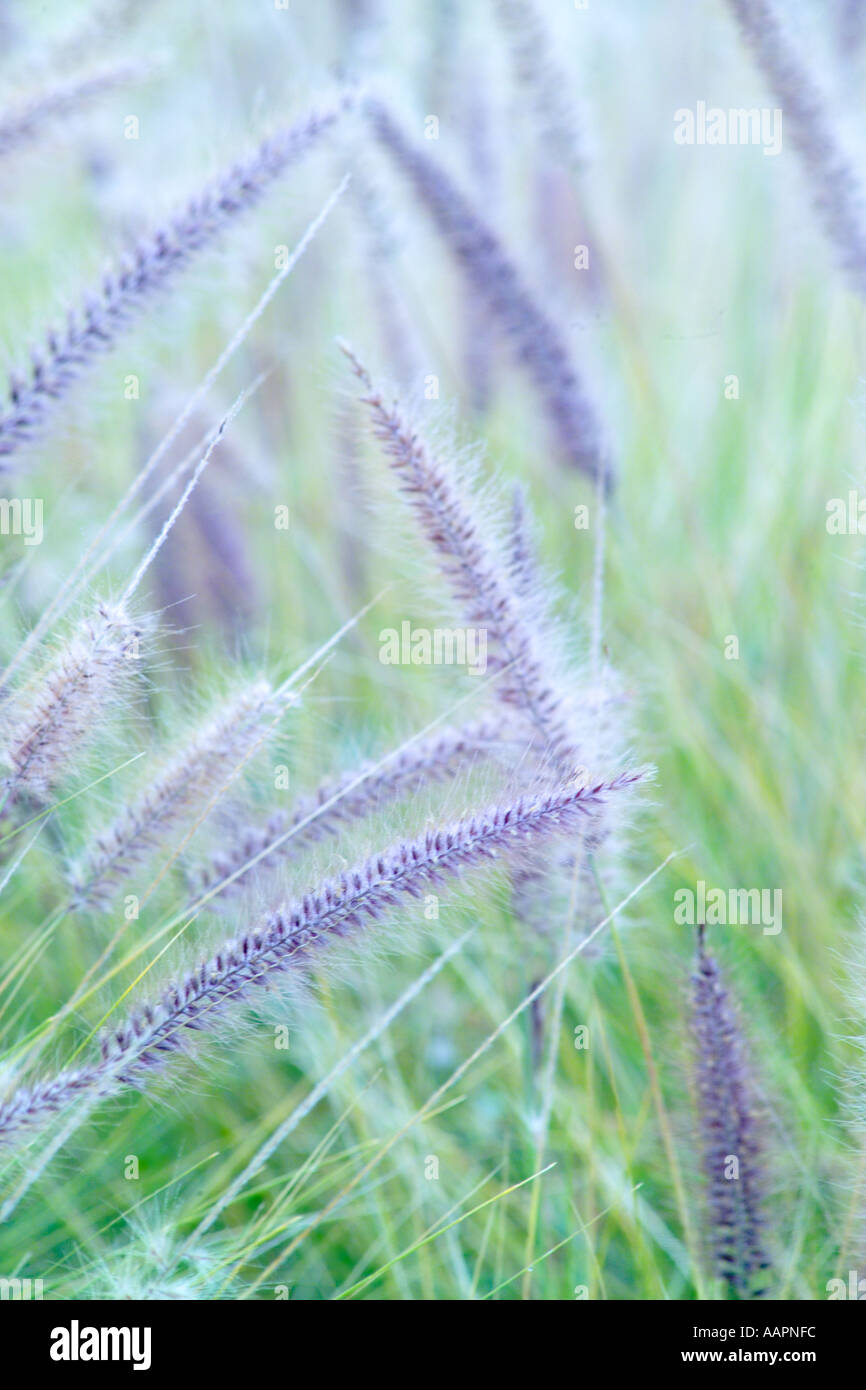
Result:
[[716, 529]]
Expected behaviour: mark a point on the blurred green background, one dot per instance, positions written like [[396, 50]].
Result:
[[705, 263]]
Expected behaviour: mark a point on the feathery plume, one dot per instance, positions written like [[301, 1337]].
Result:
[[289, 938], [472, 568], [729, 1133], [26, 122], [150, 266], [31, 1105], [182, 789], [153, 1265], [539, 74], [49, 720], [347, 798], [85, 569], [533, 335], [837, 189]]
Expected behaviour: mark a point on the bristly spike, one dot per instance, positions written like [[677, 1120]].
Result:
[[286, 937], [155, 261], [537, 342], [837, 187], [27, 121], [344, 799], [183, 788], [478, 579], [49, 720], [729, 1133]]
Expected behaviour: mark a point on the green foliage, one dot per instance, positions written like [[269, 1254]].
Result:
[[713, 267]]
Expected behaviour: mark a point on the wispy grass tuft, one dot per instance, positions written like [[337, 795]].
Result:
[[149, 267], [475, 572], [537, 341], [836, 184], [204, 762], [28, 120], [343, 800], [290, 938], [47, 722]]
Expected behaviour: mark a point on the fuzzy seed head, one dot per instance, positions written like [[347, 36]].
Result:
[[180, 792], [51, 719]]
